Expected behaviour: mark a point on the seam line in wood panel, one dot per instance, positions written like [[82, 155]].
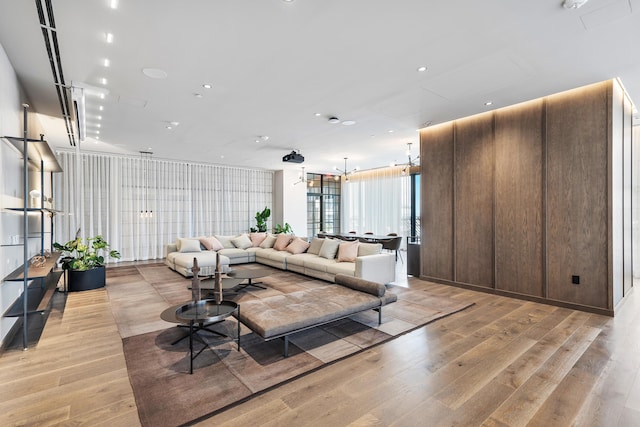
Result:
[[545, 243], [493, 138], [454, 247]]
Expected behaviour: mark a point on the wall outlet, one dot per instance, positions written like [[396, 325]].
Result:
[[575, 280]]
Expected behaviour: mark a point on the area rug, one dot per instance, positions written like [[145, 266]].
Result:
[[167, 395]]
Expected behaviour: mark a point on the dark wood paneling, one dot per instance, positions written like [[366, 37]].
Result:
[[436, 181], [473, 195], [577, 138], [519, 199]]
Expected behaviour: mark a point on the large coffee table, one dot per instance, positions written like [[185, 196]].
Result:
[[249, 274]]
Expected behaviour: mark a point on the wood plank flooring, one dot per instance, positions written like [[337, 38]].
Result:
[[503, 362]]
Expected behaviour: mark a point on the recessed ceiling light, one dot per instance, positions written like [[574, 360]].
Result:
[[109, 37], [422, 68], [197, 95], [169, 127], [98, 132], [207, 86], [103, 81], [317, 114], [99, 117], [101, 95], [488, 103], [390, 131], [101, 108], [174, 124], [106, 62], [288, 1], [154, 73], [334, 120], [99, 125], [349, 122], [97, 137], [113, 4]]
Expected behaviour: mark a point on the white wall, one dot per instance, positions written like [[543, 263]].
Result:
[[290, 201]]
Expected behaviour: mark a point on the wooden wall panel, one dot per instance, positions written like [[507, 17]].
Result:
[[519, 199], [628, 213], [473, 197], [577, 157], [436, 181]]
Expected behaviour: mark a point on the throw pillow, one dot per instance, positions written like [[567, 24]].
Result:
[[189, 245], [268, 242], [257, 238], [226, 241], [297, 246], [242, 242], [348, 251], [282, 241], [329, 248], [211, 243], [315, 246], [369, 249]]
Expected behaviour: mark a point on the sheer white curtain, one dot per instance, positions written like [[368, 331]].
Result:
[[377, 200], [139, 204]]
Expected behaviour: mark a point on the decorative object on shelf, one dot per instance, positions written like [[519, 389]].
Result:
[[282, 229], [261, 221], [38, 261], [302, 178], [46, 253], [84, 262], [346, 172], [35, 195]]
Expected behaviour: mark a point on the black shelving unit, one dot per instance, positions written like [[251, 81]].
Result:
[[38, 282]]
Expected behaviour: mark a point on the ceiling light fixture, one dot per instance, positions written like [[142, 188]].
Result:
[[573, 4], [488, 103], [109, 37], [207, 86], [106, 62], [103, 81], [154, 73], [113, 4], [411, 162], [197, 95], [101, 108], [345, 171], [422, 68], [333, 119], [317, 114], [349, 122]]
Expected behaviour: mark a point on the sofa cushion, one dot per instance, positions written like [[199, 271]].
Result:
[[365, 249], [348, 251], [314, 247], [300, 259], [329, 248], [268, 242], [226, 241], [211, 243], [282, 241], [242, 242], [297, 246], [257, 238], [318, 263], [347, 268], [188, 245]]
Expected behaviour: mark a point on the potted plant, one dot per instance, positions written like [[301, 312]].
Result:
[[84, 262], [261, 220], [282, 229]]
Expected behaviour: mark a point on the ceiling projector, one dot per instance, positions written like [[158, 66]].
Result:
[[293, 157]]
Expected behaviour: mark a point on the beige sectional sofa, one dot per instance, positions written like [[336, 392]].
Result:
[[319, 258]]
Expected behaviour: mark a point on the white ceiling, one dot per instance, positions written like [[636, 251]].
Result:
[[274, 64]]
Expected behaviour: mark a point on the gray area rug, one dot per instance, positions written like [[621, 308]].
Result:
[[166, 394]]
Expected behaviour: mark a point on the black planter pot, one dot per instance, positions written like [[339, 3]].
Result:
[[87, 279]]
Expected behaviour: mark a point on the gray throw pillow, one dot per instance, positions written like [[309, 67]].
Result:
[[242, 242], [316, 244], [329, 248]]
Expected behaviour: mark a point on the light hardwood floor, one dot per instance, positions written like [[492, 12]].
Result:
[[503, 362]]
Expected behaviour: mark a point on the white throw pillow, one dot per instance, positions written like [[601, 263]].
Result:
[[242, 242], [226, 241], [329, 248], [189, 245], [268, 242]]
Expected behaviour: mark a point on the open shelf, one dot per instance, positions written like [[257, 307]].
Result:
[[17, 275], [39, 294], [39, 154]]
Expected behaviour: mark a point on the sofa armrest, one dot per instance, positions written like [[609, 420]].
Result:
[[379, 268], [170, 247]]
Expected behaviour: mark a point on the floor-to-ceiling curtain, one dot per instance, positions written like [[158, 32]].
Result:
[[377, 201], [139, 204]]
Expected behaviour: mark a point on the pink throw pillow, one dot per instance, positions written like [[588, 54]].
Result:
[[282, 241], [211, 243], [348, 251], [257, 238], [297, 246]]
